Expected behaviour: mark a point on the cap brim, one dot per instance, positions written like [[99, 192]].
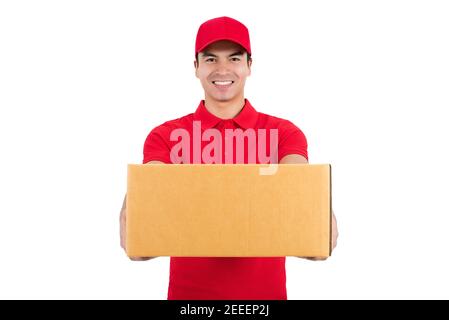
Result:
[[222, 39]]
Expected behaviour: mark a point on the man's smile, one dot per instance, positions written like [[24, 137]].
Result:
[[223, 84]]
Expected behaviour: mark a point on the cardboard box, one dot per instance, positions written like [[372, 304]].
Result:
[[228, 210]]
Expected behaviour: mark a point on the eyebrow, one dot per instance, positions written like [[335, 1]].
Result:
[[209, 54]]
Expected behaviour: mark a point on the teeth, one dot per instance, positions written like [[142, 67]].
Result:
[[222, 83]]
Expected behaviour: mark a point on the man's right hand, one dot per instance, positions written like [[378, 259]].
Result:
[[123, 232], [123, 226]]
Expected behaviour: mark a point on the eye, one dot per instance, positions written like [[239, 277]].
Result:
[[235, 59], [210, 59]]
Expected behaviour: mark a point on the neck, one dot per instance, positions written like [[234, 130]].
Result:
[[225, 109]]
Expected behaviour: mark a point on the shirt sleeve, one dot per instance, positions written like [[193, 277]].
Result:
[[156, 145], [292, 141]]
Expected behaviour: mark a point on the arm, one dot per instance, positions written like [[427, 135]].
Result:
[[123, 226], [296, 158]]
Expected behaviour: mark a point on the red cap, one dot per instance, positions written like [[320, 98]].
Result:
[[223, 28]]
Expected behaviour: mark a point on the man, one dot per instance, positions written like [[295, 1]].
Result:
[[222, 64]]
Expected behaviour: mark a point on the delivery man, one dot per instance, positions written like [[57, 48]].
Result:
[[222, 64]]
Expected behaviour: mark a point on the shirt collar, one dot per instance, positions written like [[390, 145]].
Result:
[[247, 118]]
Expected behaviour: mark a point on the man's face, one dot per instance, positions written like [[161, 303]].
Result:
[[222, 69]]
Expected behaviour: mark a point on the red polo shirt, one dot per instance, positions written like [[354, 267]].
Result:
[[226, 278]]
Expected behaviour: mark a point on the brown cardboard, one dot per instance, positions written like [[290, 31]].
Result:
[[228, 210]]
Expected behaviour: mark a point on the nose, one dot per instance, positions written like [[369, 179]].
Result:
[[222, 68]]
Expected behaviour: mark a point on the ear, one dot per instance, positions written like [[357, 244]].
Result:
[[250, 63], [195, 64]]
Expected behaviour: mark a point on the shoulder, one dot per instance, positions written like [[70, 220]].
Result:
[[291, 139], [163, 130], [283, 125], [157, 144]]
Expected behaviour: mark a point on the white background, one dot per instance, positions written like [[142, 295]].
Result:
[[83, 82]]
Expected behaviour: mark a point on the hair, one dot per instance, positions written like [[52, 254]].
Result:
[[248, 57]]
